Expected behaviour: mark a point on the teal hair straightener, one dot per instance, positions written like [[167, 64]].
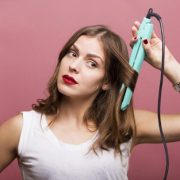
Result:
[[137, 55]]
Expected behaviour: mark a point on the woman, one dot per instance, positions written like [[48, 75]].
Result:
[[78, 131]]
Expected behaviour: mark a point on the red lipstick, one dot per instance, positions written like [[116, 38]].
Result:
[[69, 79]]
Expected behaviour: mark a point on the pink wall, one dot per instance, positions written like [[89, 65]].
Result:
[[31, 35]]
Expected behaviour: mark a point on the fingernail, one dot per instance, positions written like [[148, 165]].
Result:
[[135, 37], [145, 41]]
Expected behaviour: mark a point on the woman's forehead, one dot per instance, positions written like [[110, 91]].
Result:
[[90, 45]]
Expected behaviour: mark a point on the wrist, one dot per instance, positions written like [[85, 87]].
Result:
[[172, 71]]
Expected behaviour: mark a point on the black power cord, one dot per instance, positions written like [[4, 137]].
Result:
[[152, 14]]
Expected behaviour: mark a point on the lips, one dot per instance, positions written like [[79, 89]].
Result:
[[69, 80]]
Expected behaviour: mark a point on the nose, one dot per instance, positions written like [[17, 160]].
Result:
[[74, 66]]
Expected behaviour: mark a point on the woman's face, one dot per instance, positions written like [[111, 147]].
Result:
[[85, 62]]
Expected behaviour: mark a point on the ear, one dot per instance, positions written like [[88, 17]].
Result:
[[106, 86]]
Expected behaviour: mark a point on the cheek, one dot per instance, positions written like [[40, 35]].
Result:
[[63, 67], [92, 80]]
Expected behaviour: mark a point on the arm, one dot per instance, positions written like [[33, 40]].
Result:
[[9, 138], [148, 129], [147, 122]]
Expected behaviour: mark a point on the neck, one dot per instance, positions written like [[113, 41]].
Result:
[[71, 111]]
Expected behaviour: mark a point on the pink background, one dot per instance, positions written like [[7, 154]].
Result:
[[31, 36]]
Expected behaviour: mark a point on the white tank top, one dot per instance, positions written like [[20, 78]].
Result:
[[42, 156]]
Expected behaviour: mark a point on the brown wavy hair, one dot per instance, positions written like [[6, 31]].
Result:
[[114, 126]]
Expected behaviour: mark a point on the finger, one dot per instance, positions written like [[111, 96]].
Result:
[[135, 28], [133, 40], [147, 47], [137, 24], [134, 31]]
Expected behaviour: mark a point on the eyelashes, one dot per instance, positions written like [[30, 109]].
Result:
[[72, 52]]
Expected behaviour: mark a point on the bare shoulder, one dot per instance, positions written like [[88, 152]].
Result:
[[10, 131], [14, 124]]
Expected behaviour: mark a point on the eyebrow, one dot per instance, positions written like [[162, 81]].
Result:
[[89, 55]]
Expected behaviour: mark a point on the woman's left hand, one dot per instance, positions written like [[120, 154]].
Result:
[[153, 50]]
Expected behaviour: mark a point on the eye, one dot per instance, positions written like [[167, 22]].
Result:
[[92, 63], [72, 53]]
